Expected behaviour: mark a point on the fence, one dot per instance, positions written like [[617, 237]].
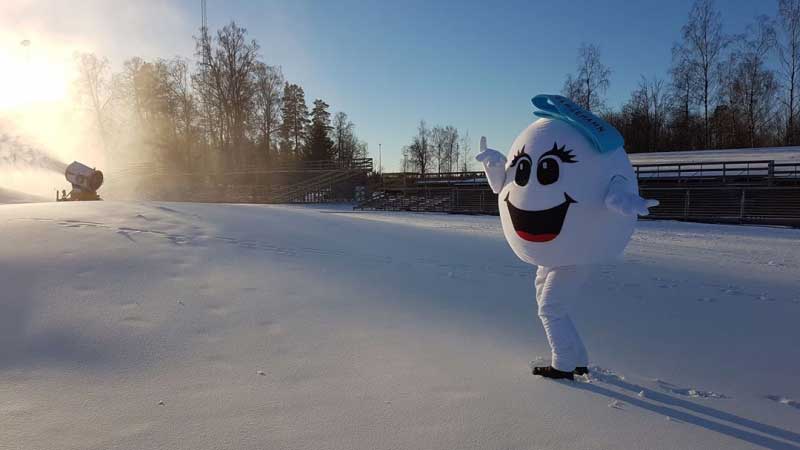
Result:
[[718, 172], [729, 204], [721, 172], [758, 191]]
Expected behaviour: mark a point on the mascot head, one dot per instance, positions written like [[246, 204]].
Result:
[[558, 170]]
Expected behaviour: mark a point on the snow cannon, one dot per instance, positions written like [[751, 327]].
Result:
[[85, 183]]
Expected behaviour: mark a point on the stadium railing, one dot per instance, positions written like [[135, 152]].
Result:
[[756, 191]]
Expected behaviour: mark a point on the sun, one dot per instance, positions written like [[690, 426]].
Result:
[[32, 74]]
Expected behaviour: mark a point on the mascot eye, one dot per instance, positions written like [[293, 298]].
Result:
[[547, 171], [523, 172]]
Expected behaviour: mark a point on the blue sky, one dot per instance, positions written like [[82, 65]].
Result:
[[471, 64]]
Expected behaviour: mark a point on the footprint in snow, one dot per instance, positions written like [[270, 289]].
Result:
[[538, 361], [776, 264], [136, 321], [732, 290], [217, 310], [764, 297], [600, 373], [689, 392], [784, 400]]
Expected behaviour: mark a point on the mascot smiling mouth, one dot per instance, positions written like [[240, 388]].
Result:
[[539, 226]]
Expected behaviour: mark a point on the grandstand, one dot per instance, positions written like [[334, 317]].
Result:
[[723, 186], [783, 154], [294, 182], [457, 192]]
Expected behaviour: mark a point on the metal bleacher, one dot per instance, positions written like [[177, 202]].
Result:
[[291, 182], [455, 192], [758, 191]]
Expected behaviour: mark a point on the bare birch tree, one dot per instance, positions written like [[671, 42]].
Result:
[[419, 154], [683, 80], [591, 82], [466, 152], [789, 56], [704, 43], [225, 82], [756, 82], [269, 84], [95, 86]]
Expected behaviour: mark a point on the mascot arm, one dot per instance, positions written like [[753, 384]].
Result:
[[494, 164], [621, 199]]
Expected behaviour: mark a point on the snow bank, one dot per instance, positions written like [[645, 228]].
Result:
[[190, 326]]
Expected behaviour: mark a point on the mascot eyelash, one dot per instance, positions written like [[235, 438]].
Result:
[[560, 152], [521, 153]]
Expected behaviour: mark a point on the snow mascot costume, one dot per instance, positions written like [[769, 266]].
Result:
[[568, 198]]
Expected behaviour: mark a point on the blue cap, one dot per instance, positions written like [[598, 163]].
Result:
[[604, 136]]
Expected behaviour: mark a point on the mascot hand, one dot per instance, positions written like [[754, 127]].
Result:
[[621, 200], [494, 164], [489, 157]]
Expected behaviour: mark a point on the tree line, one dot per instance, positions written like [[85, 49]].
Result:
[[227, 110], [722, 90], [440, 149]]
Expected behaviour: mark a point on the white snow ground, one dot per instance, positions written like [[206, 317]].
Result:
[[12, 196], [191, 326]]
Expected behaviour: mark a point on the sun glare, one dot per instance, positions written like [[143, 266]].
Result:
[[32, 76]]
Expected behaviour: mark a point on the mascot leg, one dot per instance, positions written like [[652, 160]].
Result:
[[555, 288]]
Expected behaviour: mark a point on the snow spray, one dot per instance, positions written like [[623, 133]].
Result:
[[17, 155]]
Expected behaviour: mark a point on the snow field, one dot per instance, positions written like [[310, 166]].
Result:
[[156, 325]]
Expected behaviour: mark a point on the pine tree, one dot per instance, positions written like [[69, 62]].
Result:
[[320, 145]]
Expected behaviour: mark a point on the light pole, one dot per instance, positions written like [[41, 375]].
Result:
[[380, 157]]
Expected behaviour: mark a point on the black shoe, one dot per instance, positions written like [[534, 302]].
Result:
[[551, 372], [581, 371]]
